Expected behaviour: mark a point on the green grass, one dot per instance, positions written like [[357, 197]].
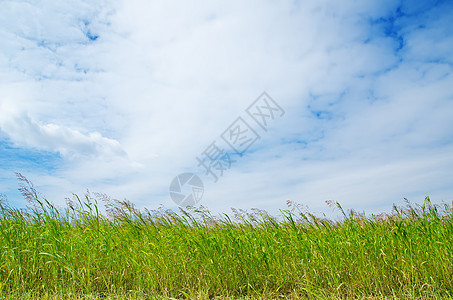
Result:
[[78, 253]]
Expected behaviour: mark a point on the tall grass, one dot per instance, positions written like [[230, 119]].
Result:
[[192, 254]]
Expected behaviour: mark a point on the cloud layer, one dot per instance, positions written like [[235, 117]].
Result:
[[129, 93]]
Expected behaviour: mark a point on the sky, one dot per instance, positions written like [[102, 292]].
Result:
[[120, 97]]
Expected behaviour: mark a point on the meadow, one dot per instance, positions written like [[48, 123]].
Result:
[[77, 252]]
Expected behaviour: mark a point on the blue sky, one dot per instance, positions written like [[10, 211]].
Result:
[[119, 97]]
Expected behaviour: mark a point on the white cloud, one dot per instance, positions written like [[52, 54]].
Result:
[[26, 132]]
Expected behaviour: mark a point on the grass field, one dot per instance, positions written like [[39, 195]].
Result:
[[78, 253]]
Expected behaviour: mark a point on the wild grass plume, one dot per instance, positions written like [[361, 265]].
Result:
[[80, 252]]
